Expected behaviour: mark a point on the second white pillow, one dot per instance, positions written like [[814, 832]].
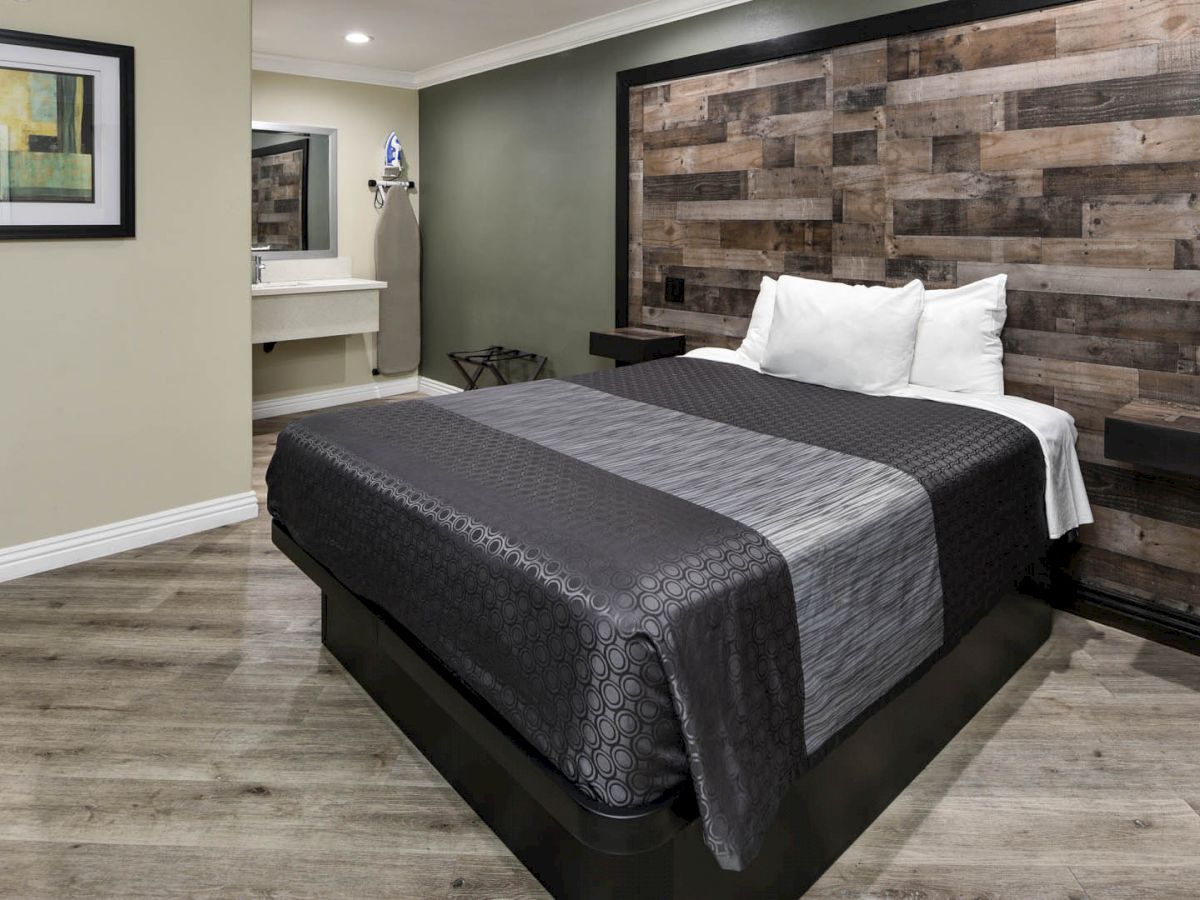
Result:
[[851, 337], [958, 339]]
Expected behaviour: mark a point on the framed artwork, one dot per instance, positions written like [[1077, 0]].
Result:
[[66, 138]]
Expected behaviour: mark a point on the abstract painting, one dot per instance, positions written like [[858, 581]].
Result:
[[46, 135], [66, 138]]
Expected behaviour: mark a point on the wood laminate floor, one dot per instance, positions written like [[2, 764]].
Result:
[[170, 726]]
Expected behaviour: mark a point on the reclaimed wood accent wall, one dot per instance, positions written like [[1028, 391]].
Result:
[[1060, 146]]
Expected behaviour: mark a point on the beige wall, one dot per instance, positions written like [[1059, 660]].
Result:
[[363, 114], [124, 382]]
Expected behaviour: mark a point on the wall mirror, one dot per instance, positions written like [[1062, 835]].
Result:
[[293, 190]]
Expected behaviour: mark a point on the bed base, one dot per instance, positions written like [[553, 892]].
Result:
[[578, 849]]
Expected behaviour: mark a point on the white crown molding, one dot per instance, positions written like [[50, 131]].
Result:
[[375, 390], [335, 71], [435, 388], [93, 543], [590, 31]]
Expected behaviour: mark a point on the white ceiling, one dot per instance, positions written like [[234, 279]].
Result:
[[421, 42]]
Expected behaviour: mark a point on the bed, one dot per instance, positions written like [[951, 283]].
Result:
[[681, 628]]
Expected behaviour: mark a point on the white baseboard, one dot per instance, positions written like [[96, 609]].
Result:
[[375, 390], [92, 543], [432, 386]]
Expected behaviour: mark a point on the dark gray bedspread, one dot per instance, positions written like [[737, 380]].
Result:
[[676, 570]]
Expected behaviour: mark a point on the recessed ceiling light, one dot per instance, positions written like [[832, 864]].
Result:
[[357, 37]]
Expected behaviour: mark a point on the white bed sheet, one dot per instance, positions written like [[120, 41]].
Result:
[[1067, 504]]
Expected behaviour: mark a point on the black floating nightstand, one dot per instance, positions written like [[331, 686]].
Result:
[[635, 345], [1152, 433]]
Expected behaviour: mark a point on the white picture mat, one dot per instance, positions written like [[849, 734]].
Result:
[[106, 113]]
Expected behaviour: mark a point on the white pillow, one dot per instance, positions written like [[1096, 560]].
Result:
[[755, 343], [958, 338], [844, 336]]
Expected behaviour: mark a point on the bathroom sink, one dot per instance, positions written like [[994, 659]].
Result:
[[275, 284]]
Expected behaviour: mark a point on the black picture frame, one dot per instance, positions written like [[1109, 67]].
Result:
[[125, 227], [888, 25]]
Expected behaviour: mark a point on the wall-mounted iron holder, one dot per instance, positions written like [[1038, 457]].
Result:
[[386, 183]]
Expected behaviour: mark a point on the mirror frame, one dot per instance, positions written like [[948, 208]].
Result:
[[331, 133]]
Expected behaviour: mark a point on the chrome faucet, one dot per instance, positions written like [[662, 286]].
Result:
[[257, 265]]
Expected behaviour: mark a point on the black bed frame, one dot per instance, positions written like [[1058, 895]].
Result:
[[578, 849]]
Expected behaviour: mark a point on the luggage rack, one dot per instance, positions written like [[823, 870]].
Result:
[[487, 360]]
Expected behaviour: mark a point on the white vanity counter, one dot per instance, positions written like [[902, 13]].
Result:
[[313, 307], [315, 286]]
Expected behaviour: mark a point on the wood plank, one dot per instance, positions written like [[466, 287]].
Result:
[[965, 185], [1019, 217], [819, 266], [860, 98], [906, 156], [772, 100], [1104, 181], [708, 186], [965, 49], [708, 299], [715, 83], [853, 239], [1107, 143], [1141, 537], [1116, 252], [778, 153], [936, 273], [1179, 56], [866, 205], [951, 116], [1123, 63], [855, 148], [669, 233], [806, 124], [1158, 96], [1147, 581], [1109, 351], [1088, 408], [1109, 282], [966, 249], [1174, 321], [1077, 376], [667, 114], [814, 151], [1167, 216], [815, 208], [811, 238], [695, 322], [636, 98], [798, 68], [859, 269], [859, 64], [731, 156], [722, 258], [868, 119], [1173, 388], [685, 136], [793, 182], [1172, 498], [1187, 254], [955, 153], [735, 279], [1104, 26]]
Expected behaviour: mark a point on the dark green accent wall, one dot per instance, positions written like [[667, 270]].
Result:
[[518, 174]]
